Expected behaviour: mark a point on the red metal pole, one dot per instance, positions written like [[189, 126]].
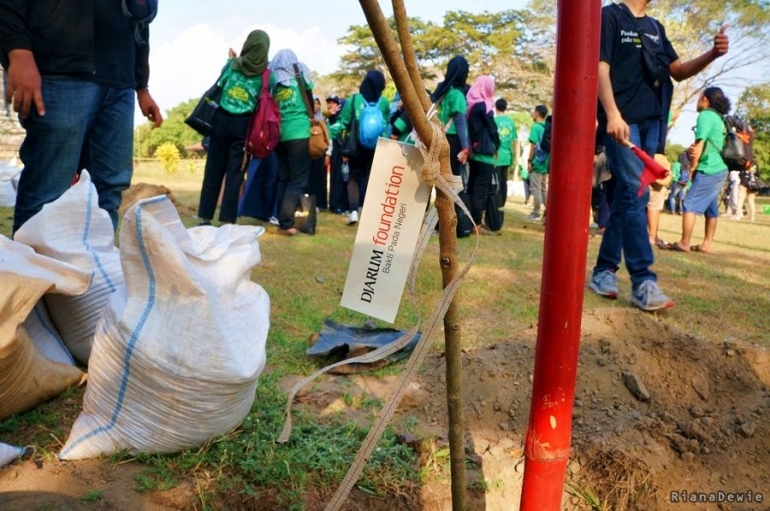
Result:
[[564, 260]]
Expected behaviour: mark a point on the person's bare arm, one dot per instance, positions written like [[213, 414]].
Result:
[[149, 108], [695, 151], [683, 70], [616, 126]]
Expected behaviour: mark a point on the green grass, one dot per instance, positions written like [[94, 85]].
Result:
[[159, 476], [719, 296], [46, 426], [250, 462], [482, 485], [92, 496]]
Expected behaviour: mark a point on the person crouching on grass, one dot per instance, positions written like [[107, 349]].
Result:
[[710, 170]]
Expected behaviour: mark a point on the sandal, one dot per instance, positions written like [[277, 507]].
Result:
[[674, 247], [698, 248]]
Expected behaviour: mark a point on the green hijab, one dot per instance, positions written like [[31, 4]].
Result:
[[253, 58]]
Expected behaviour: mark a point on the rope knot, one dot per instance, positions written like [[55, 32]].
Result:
[[431, 167]]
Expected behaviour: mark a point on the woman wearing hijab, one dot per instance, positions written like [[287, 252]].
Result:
[[241, 81], [484, 143], [293, 147], [452, 108], [370, 91]]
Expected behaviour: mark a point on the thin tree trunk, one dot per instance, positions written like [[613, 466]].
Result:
[[412, 90]]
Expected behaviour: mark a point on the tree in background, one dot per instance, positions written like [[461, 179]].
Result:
[[500, 44], [691, 27], [174, 131], [364, 54], [509, 46]]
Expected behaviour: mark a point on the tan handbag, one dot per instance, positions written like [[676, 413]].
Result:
[[319, 132], [319, 139]]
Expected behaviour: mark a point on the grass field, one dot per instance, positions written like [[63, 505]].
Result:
[[718, 296]]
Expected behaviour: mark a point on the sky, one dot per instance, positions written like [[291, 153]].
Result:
[[189, 40]]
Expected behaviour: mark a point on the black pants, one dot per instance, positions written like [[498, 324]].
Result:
[[293, 170], [360, 168], [338, 193], [503, 177], [454, 150], [316, 184], [223, 162], [479, 184], [258, 199]]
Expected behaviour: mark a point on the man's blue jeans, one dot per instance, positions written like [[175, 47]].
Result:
[[677, 192], [626, 233], [85, 126]]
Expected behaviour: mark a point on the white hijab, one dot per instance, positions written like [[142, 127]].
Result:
[[282, 67]]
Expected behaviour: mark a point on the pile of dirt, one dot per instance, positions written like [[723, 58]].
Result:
[[139, 191], [85, 485], [703, 428]]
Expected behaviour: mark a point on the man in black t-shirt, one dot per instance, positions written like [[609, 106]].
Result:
[[74, 71], [630, 110]]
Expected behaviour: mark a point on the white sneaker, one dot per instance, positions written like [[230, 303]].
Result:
[[273, 220], [352, 218]]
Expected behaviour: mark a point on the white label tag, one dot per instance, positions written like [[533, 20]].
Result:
[[387, 234]]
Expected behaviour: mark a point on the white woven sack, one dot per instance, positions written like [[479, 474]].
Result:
[[10, 453], [45, 336], [178, 351], [27, 378], [9, 178], [75, 230]]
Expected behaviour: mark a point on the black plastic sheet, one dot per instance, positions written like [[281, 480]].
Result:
[[344, 341]]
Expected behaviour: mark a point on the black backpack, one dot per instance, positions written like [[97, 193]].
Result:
[[140, 13], [737, 151]]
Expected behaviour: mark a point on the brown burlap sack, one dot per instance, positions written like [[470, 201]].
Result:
[[27, 378]]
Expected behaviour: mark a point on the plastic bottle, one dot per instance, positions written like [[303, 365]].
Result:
[[345, 171]]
